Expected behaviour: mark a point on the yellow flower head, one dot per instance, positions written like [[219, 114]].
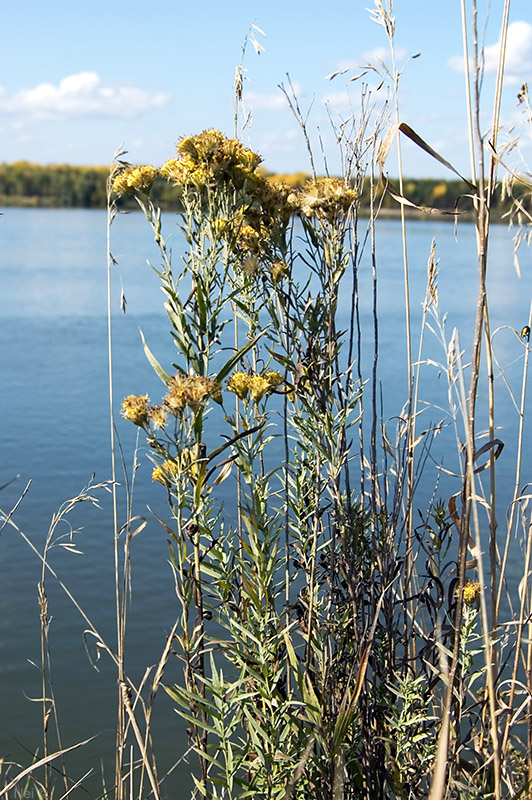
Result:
[[133, 179], [135, 408], [471, 593], [239, 384], [166, 472], [175, 400], [193, 460], [219, 226], [158, 475], [274, 379], [258, 386], [248, 238]]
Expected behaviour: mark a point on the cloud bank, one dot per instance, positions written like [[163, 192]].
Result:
[[81, 95], [518, 54]]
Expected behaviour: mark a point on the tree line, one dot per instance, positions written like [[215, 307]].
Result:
[[27, 184]]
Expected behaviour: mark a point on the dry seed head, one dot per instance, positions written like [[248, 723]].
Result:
[[250, 266], [157, 416], [277, 269], [326, 197], [190, 391]]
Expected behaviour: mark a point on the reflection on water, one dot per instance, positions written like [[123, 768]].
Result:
[[55, 433]]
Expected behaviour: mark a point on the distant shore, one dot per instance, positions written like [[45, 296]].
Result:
[[27, 185]]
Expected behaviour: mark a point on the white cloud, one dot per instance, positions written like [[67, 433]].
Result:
[[271, 102], [518, 54], [337, 100], [266, 102], [80, 95]]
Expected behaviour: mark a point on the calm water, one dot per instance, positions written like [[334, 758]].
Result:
[[54, 432]]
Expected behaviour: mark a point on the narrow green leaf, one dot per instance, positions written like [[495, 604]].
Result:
[[153, 361], [235, 358]]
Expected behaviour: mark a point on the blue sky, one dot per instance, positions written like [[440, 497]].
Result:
[[79, 79]]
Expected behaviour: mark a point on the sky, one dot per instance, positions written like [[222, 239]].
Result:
[[80, 80]]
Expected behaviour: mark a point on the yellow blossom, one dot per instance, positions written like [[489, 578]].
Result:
[[166, 472], [239, 384], [219, 226], [274, 379], [158, 475], [193, 460], [135, 178], [258, 386], [471, 593], [135, 408], [208, 158], [248, 238]]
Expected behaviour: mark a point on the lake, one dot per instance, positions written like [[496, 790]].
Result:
[[55, 432]]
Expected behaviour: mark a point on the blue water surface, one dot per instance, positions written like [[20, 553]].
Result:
[[55, 427]]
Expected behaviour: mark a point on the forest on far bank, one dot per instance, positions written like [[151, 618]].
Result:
[[26, 184]]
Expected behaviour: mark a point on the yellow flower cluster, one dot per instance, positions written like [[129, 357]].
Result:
[[166, 472], [134, 179], [277, 200], [328, 198], [135, 408], [471, 593], [257, 385], [191, 391], [210, 158]]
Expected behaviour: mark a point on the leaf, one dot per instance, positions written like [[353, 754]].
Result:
[[385, 145], [235, 358], [42, 761], [408, 131], [396, 194], [153, 361], [224, 473], [494, 443]]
